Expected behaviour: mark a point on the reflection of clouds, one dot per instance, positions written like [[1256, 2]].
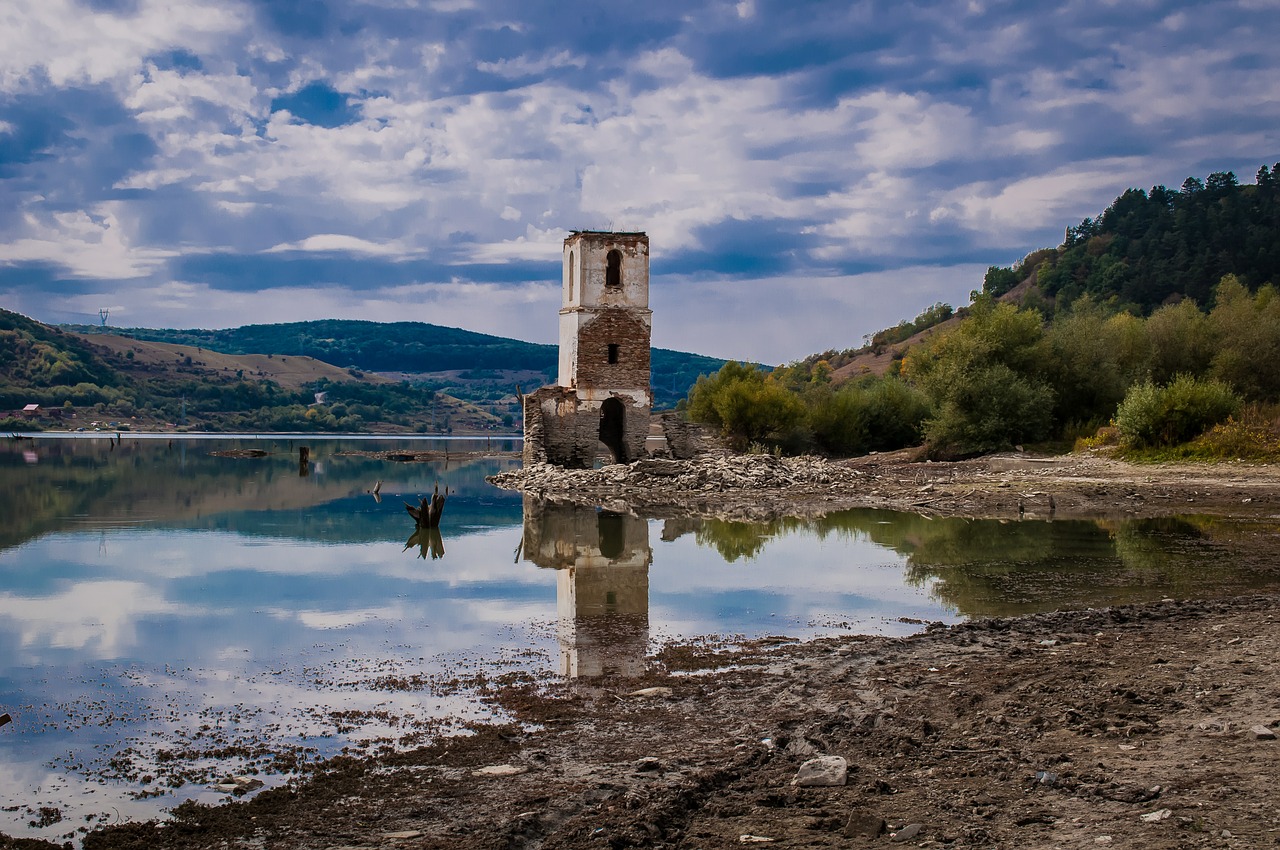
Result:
[[797, 579], [98, 618], [344, 619]]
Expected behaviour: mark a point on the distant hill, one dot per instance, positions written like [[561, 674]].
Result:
[[105, 380], [475, 366], [1145, 250], [1150, 248]]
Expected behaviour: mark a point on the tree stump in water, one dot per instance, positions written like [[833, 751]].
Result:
[[427, 513]]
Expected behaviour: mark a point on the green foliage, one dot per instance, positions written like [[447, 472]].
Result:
[[1093, 358], [999, 280], [1165, 415], [994, 408], [984, 380], [38, 356], [930, 316], [746, 407], [1247, 331], [1150, 247], [1254, 436], [878, 415], [1181, 341]]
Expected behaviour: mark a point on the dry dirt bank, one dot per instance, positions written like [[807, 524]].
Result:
[[1139, 727]]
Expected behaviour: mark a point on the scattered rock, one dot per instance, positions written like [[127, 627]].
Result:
[[1157, 816], [824, 771], [651, 692], [501, 770], [1262, 733], [907, 833], [754, 839], [238, 784], [403, 835]]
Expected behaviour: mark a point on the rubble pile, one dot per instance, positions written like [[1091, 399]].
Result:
[[660, 481]]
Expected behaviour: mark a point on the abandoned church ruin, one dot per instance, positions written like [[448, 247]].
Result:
[[602, 394]]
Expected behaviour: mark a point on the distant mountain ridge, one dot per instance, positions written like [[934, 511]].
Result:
[[416, 347]]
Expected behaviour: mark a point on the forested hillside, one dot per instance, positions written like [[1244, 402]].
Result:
[[1148, 248], [1161, 316], [114, 382], [267, 377], [470, 365]]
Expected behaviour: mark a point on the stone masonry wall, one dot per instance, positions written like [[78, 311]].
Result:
[[563, 429], [618, 327]]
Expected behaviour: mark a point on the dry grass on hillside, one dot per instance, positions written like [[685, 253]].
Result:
[[290, 372]]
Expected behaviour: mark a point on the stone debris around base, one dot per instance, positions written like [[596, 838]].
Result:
[[708, 474]]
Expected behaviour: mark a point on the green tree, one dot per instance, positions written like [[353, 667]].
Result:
[[1247, 328], [746, 407], [1172, 413], [985, 380], [1182, 341]]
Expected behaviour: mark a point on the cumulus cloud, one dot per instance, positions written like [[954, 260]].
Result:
[[451, 144]]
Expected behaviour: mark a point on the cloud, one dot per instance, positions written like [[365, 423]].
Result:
[[270, 148], [67, 43], [336, 243]]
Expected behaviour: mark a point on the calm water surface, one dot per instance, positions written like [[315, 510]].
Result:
[[169, 616]]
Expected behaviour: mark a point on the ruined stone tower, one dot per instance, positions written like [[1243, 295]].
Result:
[[602, 394]]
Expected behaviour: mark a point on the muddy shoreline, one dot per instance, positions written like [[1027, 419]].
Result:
[[1147, 726]]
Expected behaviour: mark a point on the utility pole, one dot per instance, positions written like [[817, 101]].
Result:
[[102, 314]]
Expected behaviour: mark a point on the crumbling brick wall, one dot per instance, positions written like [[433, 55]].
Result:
[[629, 336], [687, 440]]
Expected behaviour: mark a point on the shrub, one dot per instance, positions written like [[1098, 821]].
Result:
[[992, 410], [1152, 415], [746, 407]]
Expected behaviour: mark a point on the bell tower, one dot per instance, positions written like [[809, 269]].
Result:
[[602, 388], [605, 320]]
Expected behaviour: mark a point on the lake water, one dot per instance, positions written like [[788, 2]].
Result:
[[169, 617]]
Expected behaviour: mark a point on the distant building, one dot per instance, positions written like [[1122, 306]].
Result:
[[602, 394]]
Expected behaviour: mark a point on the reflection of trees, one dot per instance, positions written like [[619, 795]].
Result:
[[734, 540], [180, 481], [1001, 568]]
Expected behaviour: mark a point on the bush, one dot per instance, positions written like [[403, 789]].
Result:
[[993, 410], [1254, 435], [1152, 415], [746, 407]]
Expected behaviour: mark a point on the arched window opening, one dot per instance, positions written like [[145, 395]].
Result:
[[613, 352], [613, 269], [571, 281]]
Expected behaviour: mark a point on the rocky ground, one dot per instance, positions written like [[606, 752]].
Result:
[[1140, 727], [1007, 485]]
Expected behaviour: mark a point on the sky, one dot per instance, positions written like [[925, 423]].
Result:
[[807, 172]]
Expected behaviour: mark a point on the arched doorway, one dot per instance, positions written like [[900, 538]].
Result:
[[613, 428]]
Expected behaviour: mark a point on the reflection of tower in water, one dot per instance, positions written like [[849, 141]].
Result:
[[601, 559]]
